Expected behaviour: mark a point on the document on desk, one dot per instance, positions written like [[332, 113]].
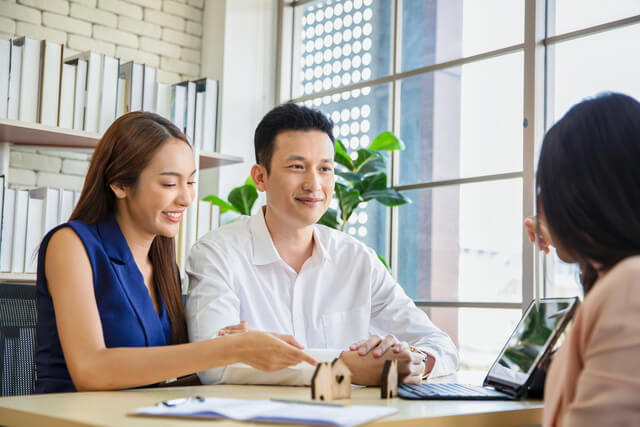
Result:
[[269, 411]]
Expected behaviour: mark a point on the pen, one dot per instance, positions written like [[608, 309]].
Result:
[[309, 402]]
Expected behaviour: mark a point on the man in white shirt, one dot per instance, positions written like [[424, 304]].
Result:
[[279, 271]]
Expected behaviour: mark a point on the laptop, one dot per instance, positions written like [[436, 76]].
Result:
[[520, 365]]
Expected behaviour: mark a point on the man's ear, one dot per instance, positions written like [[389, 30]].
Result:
[[119, 190], [259, 175]]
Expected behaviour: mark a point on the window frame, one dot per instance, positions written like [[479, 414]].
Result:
[[537, 14]]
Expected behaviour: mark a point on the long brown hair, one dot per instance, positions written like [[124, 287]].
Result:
[[122, 153]]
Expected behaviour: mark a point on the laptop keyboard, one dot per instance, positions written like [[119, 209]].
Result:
[[443, 391]]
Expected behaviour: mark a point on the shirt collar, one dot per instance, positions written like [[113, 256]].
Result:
[[265, 252]]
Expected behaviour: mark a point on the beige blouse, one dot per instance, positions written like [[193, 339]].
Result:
[[594, 379]]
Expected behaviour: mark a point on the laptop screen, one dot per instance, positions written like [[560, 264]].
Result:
[[530, 339]]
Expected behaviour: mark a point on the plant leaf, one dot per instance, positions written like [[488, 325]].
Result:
[[249, 181], [369, 162], [372, 183], [242, 198], [353, 178], [388, 197], [384, 262], [386, 141], [348, 200], [224, 206], [342, 157], [330, 219]]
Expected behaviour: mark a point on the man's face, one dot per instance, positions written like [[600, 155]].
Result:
[[300, 183]]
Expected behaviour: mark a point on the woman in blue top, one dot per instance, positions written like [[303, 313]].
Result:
[[110, 312]]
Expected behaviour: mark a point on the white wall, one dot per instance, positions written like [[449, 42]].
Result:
[[239, 49]]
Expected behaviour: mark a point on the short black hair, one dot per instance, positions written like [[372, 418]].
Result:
[[284, 117], [588, 182]]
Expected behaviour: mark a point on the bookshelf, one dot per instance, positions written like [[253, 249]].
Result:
[[14, 132], [24, 133], [20, 278]]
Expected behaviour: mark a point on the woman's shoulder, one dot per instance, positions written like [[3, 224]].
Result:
[[617, 292]]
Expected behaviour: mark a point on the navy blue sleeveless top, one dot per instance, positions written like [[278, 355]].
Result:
[[127, 313]]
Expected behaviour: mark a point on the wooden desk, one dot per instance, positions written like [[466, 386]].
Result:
[[111, 408]]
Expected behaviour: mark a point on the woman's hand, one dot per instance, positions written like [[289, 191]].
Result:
[[269, 352], [544, 239]]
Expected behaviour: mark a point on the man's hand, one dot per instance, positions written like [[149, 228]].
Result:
[[544, 239], [366, 365], [378, 344]]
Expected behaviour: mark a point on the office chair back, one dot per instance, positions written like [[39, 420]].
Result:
[[17, 339]]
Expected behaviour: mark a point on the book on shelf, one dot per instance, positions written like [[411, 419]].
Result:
[[80, 92], [5, 67], [65, 207], [50, 206], [15, 73], [87, 97], [149, 89], [210, 105], [190, 114], [19, 231], [108, 92], [27, 216], [29, 78], [179, 104], [6, 242], [133, 75], [33, 233], [163, 100], [67, 94], [49, 93], [197, 138]]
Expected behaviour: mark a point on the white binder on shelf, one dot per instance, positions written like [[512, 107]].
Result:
[[50, 82], [80, 93], [149, 90], [89, 80], [108, 92], [5, 68], [15, 74], [6, 243], [209, 125], [19, 231], [29, 79], [33, 234], [67, 95]]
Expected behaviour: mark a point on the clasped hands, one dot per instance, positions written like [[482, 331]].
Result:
[[365, 358]]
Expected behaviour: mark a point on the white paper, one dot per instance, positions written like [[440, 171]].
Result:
[[270, 411]]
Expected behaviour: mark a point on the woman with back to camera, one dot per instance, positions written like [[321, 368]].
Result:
[[109, 303], [588, 183]]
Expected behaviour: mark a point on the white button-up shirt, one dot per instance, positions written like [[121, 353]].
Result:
[[342, 294]]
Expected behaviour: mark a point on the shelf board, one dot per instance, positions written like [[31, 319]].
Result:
[[214, 160], [24, 133], [28, 278]]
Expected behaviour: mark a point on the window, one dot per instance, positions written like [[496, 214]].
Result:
[[456, 80]]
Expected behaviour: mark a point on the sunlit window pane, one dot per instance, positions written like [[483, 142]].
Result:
[[462, 242], [571, 15], [462, 122], [437, 31], [337, 32]]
